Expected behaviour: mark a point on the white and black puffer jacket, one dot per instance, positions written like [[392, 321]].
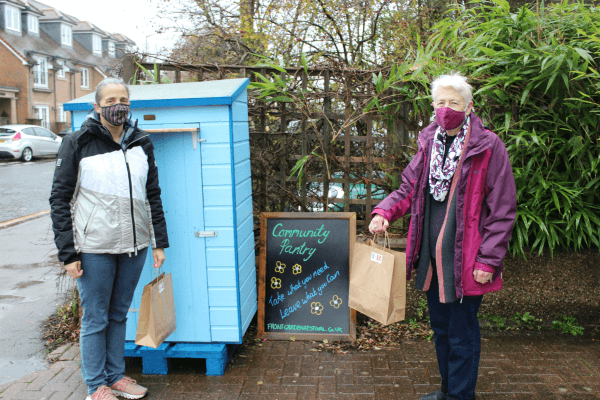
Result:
[[106, 198]]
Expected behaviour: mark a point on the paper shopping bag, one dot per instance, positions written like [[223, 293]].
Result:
[[157, 312], [378, 282]]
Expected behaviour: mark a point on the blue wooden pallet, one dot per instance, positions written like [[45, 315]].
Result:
[[156, 361]]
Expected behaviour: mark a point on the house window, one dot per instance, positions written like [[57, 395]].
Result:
[[40, 73], [62, 114], [43, 113], [12, 17], [111, 49], [85, 78], [62, 69], [97, 43], [66, 35], [33, 24]]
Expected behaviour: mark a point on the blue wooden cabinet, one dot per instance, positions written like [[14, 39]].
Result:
[[201, 139]]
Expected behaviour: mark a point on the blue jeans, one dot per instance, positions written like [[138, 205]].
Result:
[[106, 289], [457, 341]]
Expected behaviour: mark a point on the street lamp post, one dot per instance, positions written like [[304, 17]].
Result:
[[147, 36]]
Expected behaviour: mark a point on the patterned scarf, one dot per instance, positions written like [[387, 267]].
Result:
[[440, 173]]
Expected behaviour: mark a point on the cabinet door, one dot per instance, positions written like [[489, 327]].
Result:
[[180, 179]]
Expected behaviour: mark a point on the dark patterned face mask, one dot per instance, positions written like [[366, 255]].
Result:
[[116, 114]]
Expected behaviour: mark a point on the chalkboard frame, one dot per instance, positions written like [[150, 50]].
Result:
[[262, 270]]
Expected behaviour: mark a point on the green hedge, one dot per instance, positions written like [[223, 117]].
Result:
[[538, 85]]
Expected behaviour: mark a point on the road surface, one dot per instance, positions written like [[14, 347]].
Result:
[[25, 187], [28, 267]]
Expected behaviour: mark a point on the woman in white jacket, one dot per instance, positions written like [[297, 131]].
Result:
[[106, 211]]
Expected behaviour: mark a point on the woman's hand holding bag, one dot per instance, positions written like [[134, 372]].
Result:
[[159, 257], [378, 224]]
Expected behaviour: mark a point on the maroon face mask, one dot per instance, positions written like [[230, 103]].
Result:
[[448, 118]]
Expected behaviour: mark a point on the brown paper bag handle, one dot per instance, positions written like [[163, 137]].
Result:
[[155, 275], [156, 272], [386, 239]]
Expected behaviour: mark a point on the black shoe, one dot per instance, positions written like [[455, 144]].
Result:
[[439, 395]]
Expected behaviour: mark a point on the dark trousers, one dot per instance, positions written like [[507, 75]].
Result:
[[457, 341]]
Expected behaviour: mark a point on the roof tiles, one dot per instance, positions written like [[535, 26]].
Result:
[[28, 46]]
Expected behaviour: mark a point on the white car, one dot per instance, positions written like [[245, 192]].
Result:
[[27, 141], [316, 191]]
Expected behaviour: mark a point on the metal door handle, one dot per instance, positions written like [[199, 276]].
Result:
[[202, 234]]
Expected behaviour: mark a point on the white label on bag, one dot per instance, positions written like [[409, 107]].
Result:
[[376, 257], [161, 287]]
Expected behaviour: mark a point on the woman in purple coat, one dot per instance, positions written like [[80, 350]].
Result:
[[460, 191]]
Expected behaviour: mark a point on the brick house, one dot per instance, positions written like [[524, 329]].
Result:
[[47, 58]]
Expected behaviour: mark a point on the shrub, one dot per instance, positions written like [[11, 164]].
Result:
[[539, 89]]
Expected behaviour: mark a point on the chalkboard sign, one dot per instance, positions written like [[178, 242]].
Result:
[[304, 275]]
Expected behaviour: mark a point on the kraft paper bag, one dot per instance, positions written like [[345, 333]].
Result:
[[378, 282], [157, 312]]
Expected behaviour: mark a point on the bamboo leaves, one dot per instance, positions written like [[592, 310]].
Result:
[[546, 64]]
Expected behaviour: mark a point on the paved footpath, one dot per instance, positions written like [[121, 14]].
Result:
[[512, 367]]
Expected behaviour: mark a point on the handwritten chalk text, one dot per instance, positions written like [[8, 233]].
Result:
[[303, 328], [288, 311], [320, 270], [288, 248], [291, 233], [277, 300]]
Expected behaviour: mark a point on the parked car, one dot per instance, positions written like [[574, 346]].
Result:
[[316, 190], [27, 141], [336, 191]]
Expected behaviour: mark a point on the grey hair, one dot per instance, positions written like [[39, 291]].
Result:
[[456, 81], [106, 82]]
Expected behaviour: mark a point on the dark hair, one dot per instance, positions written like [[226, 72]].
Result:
[[106, 82]]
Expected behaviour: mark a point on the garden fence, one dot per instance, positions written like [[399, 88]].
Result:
[[321, 151]]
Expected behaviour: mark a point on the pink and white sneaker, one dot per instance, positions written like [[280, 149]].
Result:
[[128, 388], [103, 393]]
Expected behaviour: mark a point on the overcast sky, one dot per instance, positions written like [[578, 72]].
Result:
[[136, 19]]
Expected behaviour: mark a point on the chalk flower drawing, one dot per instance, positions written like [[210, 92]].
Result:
[[316, 308], [279, 267], [275, 283], [336, 302], [297, 269]]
